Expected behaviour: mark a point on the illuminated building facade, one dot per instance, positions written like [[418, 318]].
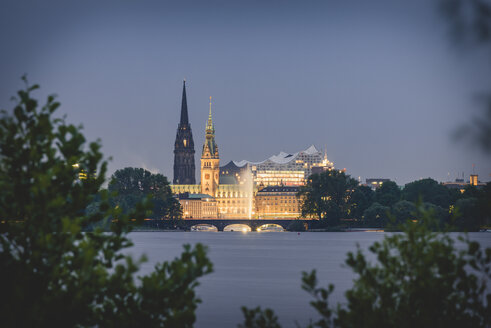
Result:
[[283, 169], [226, 198], [277, 202], [235, 201], [243, 189], [210, 161], [182, 189], [198, 206], [279, 178]]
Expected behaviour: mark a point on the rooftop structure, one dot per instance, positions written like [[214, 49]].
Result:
[[297, 160], [461, 184], [282, 169]]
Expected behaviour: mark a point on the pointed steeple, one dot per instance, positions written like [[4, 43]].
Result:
[[209, 124], [210, 148], [210, 161], [184, 168], [184, 105]]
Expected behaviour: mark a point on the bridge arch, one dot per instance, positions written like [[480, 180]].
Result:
[[270, 227], [204, 227], [237, 227]]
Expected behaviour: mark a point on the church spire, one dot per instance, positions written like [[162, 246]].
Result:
[[209, 124], [210, 161], [210, 148], [184, 168], [184, 105]]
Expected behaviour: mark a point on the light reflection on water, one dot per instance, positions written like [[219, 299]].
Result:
[[262, 269]]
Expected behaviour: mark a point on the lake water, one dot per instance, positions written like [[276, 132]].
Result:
[[263, 269]]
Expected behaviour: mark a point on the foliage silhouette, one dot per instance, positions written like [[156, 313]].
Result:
[[54, 274], [403, 211], [258, 318], [430, 191], [421, 278], [326, 196], [470, 27], [361, 199], [376, 216], [388, 194], [133, 185]]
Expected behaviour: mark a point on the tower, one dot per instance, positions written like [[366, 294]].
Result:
[[210, 161], [184, 168]]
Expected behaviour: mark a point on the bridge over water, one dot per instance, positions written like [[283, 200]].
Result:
[[221, 224]]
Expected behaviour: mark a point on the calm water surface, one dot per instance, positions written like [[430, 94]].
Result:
[[263, 269]]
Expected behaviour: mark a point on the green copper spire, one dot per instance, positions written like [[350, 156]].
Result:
[[210, 129], [210, 147]]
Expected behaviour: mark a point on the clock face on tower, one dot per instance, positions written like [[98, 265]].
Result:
[[207, 176]]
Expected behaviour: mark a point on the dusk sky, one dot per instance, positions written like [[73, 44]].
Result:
[[378, 83]]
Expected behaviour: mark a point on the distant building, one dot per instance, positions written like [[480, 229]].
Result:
[[319, 169], [375, 183], [283, 169], [239, 189], [460, 184], [473, 180], [236, 201], [198, 206], [210, 161], [234, 198], [277, 201], [184, 168], [181, 189]]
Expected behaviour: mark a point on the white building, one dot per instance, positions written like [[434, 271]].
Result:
[[282, 169]]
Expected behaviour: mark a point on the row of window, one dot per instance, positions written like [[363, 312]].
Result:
[[277, 197], [244, 201], [281, 202], [279, 211], [233, 210], [230, 194]]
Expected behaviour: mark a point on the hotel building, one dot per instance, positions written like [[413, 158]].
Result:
[[277, 202]]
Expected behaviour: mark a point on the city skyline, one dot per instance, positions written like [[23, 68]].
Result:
[[459, 176], [381, 85]]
